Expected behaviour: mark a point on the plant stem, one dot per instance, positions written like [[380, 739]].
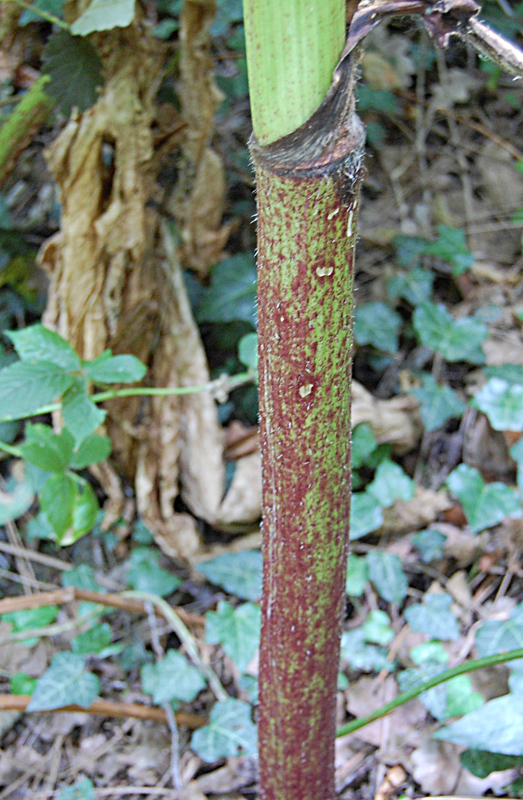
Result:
[[292, 49], [410, 694], [307, 196]]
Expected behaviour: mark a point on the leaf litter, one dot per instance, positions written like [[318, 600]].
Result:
[[439, 573]]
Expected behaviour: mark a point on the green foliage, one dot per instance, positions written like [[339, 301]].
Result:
[[238, 573], [438, 403], [95, 641], [390, 484], [172, 678], [387, 575], [69, 503], [485, 505], [451, 247], [433, 617], [236, 629], [54, 7], [146, 575], [502, 402], [232, 292], [17, 497], [230, 732], [497, 727], [83, 789], [361, 654], [103, 15], [415, 286], [64, 683], [481, 762], [377, 628], [430, 544], [366, 515], [357, 575], [496, 636], [75, 70], [248, 351], [377, 324], [455, 340], [30, 619]]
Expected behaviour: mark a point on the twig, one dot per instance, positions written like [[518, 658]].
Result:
[[107, 708], [33, 555]]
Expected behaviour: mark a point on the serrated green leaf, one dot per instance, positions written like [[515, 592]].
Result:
[[92, 450], [497, 726], [485, 505], [95, 640], [146, 575], [38, 343], [236, 629], [248, 351], [46, 449], [57, 502], [64, 683], [377, 324], [387, 575], [391, 483], [26, 386], [455, 340], [238, 573], [116, 369], [451, 246], [85, 512], [502, 402], [363, 444], [430, 544], [366, 515], [230, 733], [377, 628], [232, 292], [29, 619], [81, 415], [75, 70], [433, 617], [438, 404], [103, 15], [83, 789], [481, 762], [357, 576], [496, 636], [415, 286], [172, 678]]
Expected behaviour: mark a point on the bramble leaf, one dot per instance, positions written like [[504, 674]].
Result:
[[104, 15], [38, 343], [26, 386]]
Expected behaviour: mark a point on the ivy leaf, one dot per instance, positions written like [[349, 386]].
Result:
[[248, 351], [22, 683], [366, 515], [438, 404], [357, 575], [387, 575], [232, 292], [377, 324], [363, 444], [391, 483], [115, 369], [26, 386], [236, 629], [409, 250], [29, 619], [83, 789], [38, 343], [230, 733], [46, 449], [502, 402], [95, 641], [497, 727], [146, 575], [430, 544], [451, 246], [455, 340], [81, 415], [485, 505], [238, 573], [512, 373], [496, 636], [363, 656], [93, 450], [481, 762], [103, 15], [75, 70], [172, 678], [415, 286], [433, 617], [377, 628], [65, 683]]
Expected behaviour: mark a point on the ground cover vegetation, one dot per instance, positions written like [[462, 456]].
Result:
[[130, 553]]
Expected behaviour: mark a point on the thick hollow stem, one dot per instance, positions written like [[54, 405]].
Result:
[[307, 189]]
